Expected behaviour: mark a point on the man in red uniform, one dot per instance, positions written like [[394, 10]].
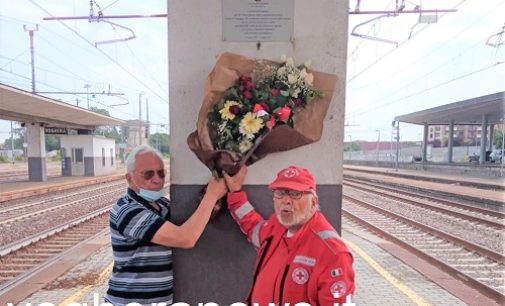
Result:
[[301, 258]]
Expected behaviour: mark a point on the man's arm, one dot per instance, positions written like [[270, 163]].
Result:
[[336, 281], [186, 235], [250, 222]]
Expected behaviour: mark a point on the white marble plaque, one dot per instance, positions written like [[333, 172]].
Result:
[[258, 20]]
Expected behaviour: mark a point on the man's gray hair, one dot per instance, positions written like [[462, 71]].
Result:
[[132, 157]]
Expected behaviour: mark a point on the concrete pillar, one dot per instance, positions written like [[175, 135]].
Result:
[[483, 139], [491, 135], [36, 152], [425, 141], [195, 40], [450, 141]]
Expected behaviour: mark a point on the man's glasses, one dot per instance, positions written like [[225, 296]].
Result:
[[293, 194], [149, 174]]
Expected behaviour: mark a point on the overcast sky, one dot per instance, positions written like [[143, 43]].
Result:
[[445, 62]]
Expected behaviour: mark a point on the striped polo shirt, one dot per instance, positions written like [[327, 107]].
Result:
[[142, 270]]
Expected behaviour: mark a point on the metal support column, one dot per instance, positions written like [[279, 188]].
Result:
[[483, 139], [450, 141]]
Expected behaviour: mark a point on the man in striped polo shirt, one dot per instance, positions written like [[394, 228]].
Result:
[[142, 234]]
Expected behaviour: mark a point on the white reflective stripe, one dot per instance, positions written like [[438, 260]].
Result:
[[255, 236], [243, 210], [304, 260], [328, 234]]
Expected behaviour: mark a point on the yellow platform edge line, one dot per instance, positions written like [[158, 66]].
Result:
[[411, 294], [76, 296]]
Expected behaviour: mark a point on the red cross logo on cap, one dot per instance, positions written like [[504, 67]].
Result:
[[290, 172], [300, 276]]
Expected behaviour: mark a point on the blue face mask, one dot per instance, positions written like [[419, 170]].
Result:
[[151, 196]]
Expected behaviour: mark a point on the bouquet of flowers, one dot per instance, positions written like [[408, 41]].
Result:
[[255, 107]]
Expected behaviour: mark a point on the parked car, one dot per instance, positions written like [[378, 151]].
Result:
[[496, 156]]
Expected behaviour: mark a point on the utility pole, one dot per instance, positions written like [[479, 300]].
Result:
[[87, 86], [148, 125], [140, 118], [12, 143], [378, 143], [396, 135], [30, 32]]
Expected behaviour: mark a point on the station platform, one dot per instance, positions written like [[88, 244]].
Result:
[[19, 189], [471, 179], [381, 279], [492, 190]]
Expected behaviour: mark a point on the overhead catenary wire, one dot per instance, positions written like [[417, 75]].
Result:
[[103, 53], [41, 37], [440, 66], [400, 44], [426, 55], [429, 88]]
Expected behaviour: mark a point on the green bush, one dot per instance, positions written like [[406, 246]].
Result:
[[4, 159]]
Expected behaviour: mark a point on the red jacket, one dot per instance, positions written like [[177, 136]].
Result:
[[317, 269]]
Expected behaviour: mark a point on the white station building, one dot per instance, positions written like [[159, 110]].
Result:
[[83, 154]]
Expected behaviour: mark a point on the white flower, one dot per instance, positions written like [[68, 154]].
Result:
[[303, 74], [261, 113], [309, 79], [307, 63], [281, 71], [245, 145], [283, 57], [295, 93], [290, 61], [292, 78]]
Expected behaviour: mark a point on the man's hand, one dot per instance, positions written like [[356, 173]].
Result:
[[235, 182], [216, 188]]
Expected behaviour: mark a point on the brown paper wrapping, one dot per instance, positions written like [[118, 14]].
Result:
[[307, 127]]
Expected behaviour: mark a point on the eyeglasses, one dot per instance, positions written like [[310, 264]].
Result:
[[293, 194], [149, 174]]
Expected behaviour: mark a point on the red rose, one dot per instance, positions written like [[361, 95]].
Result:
[[271, 123], [284, 113], [275, 92], [258, 107], [247, 95]]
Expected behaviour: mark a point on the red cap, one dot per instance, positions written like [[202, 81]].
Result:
[[294, 178]]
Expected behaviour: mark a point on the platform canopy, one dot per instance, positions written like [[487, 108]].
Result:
[[23, 106], [466, 112]]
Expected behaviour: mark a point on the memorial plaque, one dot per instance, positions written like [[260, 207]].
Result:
[[263, 20]]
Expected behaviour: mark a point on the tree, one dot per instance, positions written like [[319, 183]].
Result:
[[497, 139], [107, 131], [18, 143], [160, 141], [52, 143], [352, 146]]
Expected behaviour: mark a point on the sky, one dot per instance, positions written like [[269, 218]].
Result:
[[441, 63]]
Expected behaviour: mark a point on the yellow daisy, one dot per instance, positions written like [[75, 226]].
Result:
[[250, 125], [225, 111]]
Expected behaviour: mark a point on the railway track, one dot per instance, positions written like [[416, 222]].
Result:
[[21, 259], [27, 255], [476, 214], [485, 229], [478, 266]]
